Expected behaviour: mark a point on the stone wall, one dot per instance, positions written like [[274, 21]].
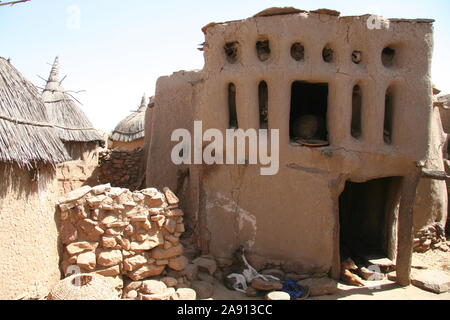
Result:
[[28, 232], [122, 168], [122, 235]]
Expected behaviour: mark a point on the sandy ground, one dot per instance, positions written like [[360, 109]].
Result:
[[374, 290]]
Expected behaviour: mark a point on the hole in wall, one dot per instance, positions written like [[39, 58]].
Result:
[[263, 49], [231, 51], [356, 57], [309, 106], [328, 54], [298, 51], [356, 112], [263, 96], [388, 116], [388, 57], [233, 122]]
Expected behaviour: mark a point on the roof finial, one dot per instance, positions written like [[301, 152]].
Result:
[[54, 74], [143, 101]]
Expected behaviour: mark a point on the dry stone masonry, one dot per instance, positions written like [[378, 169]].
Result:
[[122, 168], [122, 235]]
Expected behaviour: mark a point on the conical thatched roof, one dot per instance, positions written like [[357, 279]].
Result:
[[132, 127], [72, 123], [26, 136]]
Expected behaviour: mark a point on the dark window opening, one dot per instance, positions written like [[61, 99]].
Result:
[[298, 51], [357, 57], [231, 51], [387, 57], [366, 214], [309, 106], [328, 54], [388, 117], [263, 96], [233, 123], [356, 112], [263, 50]]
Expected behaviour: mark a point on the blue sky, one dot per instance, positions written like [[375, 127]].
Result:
[[116, 50]]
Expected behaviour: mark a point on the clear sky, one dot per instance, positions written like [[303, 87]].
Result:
[[116, 50]]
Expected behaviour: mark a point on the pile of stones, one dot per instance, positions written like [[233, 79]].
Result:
[[431, 238], [127, 237]]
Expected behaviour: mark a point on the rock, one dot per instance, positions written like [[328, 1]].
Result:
[[203, 276], [68, 233], [431, 280], [166, 295], [109, 219], [95, 201], [101, 189], [274, 272], [278, 295], [179, 263], [320, 287], [204, 290], [162, 262], [133, 263], [146, 245], [87, 261], [257, 262], [110, 258], [133, 294], [170, 225], [80, 247], [191, 271], [153, 287], [160, 253], [109, 272], [206, 263], [180, 228], [370, 275], [146, 271], [262, 285], [186, 294], [224, 262], [252, 293], [169, 281], [109, 242], [386, 265], [75, 195], [133, 285], [172, 199], [297, 277]]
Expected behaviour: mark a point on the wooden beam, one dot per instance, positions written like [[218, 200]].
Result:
[[435, 175], [10, 3], [406, 227]]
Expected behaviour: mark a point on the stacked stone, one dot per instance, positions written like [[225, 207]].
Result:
[[117, 233], [121, 167], [431, 237]]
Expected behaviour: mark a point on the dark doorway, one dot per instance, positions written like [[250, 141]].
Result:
[[309, 106], [365, 215]]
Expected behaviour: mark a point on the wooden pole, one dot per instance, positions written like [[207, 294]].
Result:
[[406, 227]]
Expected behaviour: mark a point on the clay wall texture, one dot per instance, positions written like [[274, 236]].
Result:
[[293, 217], [28, 233]]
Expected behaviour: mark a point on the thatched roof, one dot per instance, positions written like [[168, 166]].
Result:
[[132, 127], [26, 136], [72, 123]]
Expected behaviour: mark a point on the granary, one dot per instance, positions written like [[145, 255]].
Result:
[[30, 149], [129, 133], [353, 106], [81, 140]]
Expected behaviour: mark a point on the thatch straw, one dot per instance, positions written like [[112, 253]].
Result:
[[26, 136], [132, 127], [70, 120]]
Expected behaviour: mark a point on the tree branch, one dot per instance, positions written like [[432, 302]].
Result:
[[10, 3]]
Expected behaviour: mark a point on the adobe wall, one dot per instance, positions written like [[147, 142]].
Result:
[[293, 216], [139, 143], [28, 233], [72, 175]]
